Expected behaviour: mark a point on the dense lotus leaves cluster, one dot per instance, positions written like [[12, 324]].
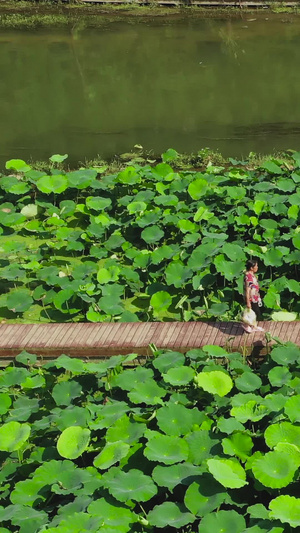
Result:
[[197, 442], [147, 243]]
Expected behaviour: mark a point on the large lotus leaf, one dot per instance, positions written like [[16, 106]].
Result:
[[248, 382], [65, 391], [52, 184], [81, 179], [52, 471], [105, 275], [279, 375], [222, 522], [171, 476], [215, 382], [65, 301], [186, 226], [250, 411], [168, 360], [23, 407], [110, 306], [113, 514], [292, 408], [97, 203], [282, 432], [111, 454], [73, 441], [166, 450], [73, 365], [202, 255], [274, 402], [150, 393], [197, 188], [132, 485], [170, 514], [125, 429], [5, 402], [29, 492], [177, 274], [71, 416], [200, 445], [107, 414], [160, 301], [228, 472], [19, 300], [131, 378], [204, 495], [175, 419], [275, 469], [234, 252], [289, 449], [215, 351], [229, 269], [286, 355], [152, 234], [286, 509], [26, 358], [78, 523], [284, 316], [239, 444], [28, 519], [229, 425], [273, 257], [17, 164], [13, 435], [30, 210], [179, 376]]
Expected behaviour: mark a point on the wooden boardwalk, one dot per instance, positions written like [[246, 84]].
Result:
[[99, 340]]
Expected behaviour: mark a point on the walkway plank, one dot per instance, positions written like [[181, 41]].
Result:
[[89, 340]]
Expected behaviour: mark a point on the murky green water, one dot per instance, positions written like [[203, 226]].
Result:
[[186, 84]]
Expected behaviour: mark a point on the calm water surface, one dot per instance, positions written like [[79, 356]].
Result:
[[228, 85]]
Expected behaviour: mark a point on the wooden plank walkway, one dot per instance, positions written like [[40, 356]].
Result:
[[99, 340]]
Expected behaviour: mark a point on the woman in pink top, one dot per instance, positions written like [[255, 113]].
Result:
[[251, 293]]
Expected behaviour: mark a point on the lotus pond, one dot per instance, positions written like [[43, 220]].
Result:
[[147, 242], [199, 447], [183, 82]]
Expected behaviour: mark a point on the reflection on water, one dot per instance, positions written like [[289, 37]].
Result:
[[230, 85]]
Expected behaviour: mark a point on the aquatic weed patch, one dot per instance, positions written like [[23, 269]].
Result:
[[147, 243], [94, 447]]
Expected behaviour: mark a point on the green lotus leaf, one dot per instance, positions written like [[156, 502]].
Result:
[[279, 375], [131, 378], [229, 425], [73, 441], [65, 391], [200, 446], [129, 176], [52, 184], [283, 316], [228, 472], [223, 522], [239, 444], [112, 453], [28, 519], [110, 306], [13, 376], [285, 355], [168, 360], [113, 515], [65, 301], [132, 485], [19, 300], [215, 382], [23, 407], [234, 252], [17, 164], [54, 471], [250, 411], [136, 207], [108, 414], [170, 514], [202, 255], [282, 432], [175, 419], [26, 358], [274, 402], [30, 210], [229, 269], [81, 179], [13, 435], [202, 213], [58, 158], [152, 234], [150, 394], [204, 495], [258, 511], [5, 402], [171, 476], [286, 509], [166, 450], [177, 274], [169, 155], [292, 408], [179, 376], [29, 492], [215, 351], [125, 429], [70, 416], [248, 382], [197, 188], [271, 167], [160, 301], [73, 365], [97, 203], [186, 226], [289, 449], [274, 469]]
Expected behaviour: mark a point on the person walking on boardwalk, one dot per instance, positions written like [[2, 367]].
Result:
[[251, 293]]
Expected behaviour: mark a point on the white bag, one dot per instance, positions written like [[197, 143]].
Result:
[[249, 317]]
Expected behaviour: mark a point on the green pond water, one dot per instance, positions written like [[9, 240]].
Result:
[[231, 85]]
